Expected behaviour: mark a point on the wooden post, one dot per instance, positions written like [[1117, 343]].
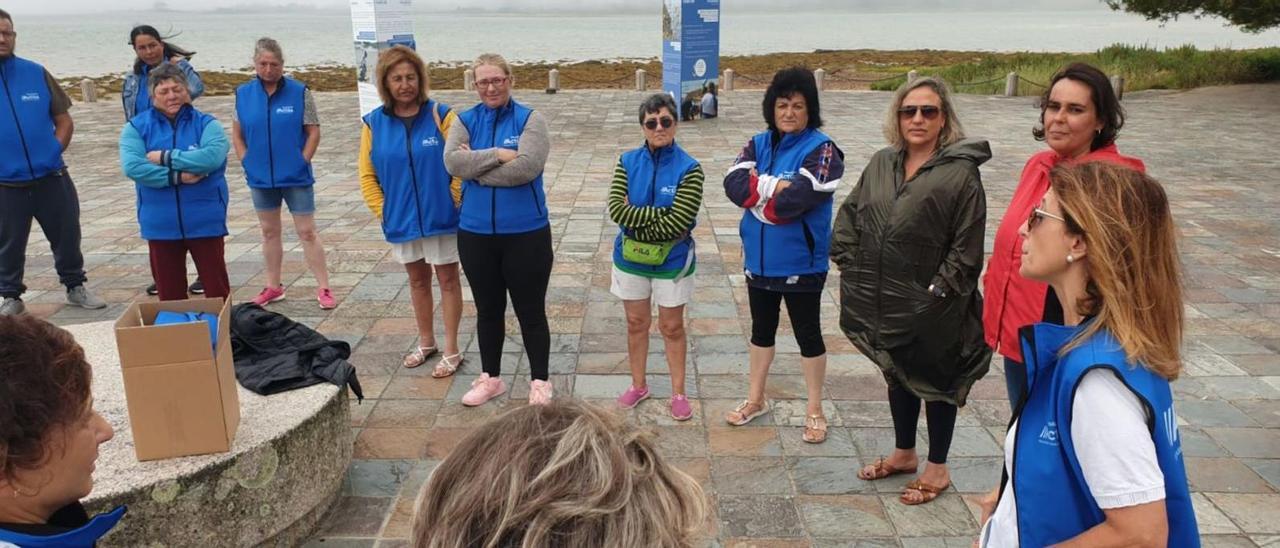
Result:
[[641, 84], [912, 75], [88, 92], [820, 76], [728, 80], [553, 81], [1011, 85], [1117, 83], [468, 80]]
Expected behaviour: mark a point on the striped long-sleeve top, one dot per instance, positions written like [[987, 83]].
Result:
[[656, 224]]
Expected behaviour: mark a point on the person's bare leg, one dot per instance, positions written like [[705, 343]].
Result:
[[272, 244], [639, 318], [450, 303], [423, 303], [312, 247], [815, 373], [676, 344]]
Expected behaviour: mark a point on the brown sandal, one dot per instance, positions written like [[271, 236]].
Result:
[[448, 365], [927, 492], [815, 429], [882, 470]]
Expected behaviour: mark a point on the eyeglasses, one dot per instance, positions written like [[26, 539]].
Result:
[[492, 82], [928, 111], [1038, 215], [653, 123]]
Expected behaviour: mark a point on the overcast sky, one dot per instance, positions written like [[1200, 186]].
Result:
[[22, 7]]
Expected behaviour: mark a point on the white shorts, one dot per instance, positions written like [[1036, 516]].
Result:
[[435, 250], [665, 293]]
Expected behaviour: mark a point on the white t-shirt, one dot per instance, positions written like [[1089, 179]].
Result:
[[1113, 445]]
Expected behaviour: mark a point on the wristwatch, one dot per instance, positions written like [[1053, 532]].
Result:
[[937, 291]]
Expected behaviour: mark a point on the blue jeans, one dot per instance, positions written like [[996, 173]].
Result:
[[301, 199], [1015, 381]]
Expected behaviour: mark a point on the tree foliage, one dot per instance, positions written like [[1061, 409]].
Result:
[[1249, 15]]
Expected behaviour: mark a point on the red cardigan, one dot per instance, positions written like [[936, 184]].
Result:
[[1012, 301]]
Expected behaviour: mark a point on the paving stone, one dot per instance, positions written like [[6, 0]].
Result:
[[946, 516], [851, 516], [1254, 514], [759, 516], [1223, 475], [1269, 469], [750, 475], [1213, 413], [1247, 442], [827, 475], [1209, 519]]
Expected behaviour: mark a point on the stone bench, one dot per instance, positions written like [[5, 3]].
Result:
[[281, 476]]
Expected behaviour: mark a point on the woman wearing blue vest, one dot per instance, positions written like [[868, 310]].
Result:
[[1092, 456], [504, 234], [406, 186], [784, 180], [177, 158], [275, 133], [152, 51], [654, 198], [49, 438]]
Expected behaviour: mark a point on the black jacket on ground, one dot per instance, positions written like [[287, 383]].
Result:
[[275, 354]]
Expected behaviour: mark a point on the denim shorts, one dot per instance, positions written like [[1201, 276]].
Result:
[[301, 199]]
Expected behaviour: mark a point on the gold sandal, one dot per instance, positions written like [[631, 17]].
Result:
[[815, 429], [744, 418], [448, 365]]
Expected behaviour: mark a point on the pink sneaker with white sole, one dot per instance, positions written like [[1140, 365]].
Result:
[[325, 298], [269, 295], [484, 389]]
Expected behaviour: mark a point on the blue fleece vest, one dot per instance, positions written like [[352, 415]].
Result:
[[181, 211], [82, 537], [273, 134], [411, 172], [797, 247], [1053, 500], [652, 180], [500, 210], [28, 148]]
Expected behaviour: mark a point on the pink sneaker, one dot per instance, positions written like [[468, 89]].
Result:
[[680, 409], [483, 389], [325, 297], [539, 392], [269, 295], [632, 397]]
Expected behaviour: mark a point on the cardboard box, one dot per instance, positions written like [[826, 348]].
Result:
[[182, 394]]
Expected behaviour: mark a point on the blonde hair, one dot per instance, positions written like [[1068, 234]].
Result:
[[492, 59], [569, 475], [951, 132], [1135, 284], [391, 57]]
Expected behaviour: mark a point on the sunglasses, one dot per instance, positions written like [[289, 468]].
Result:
[[653, 123], [1038, 215], [928, 111]]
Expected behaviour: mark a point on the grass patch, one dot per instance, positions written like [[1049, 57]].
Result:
[[1142, 68]]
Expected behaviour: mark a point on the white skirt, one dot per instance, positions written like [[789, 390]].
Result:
[[435, 250]]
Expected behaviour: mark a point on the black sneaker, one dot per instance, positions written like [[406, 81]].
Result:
[[151, 290], [196, 288]]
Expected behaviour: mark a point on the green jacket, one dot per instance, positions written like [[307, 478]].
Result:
[[892, 240]]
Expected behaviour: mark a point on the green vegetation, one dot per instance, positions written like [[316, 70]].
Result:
[[1253, 16], [1142, 68]]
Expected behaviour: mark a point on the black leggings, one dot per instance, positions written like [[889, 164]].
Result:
[[519, 264], [940, 415], [802, 308]]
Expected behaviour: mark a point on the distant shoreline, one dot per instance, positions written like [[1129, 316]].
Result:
[[845, 69]]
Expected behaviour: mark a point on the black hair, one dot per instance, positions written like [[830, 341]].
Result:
[[1104, 97], [786, 83], [654, 104], [5, 15], [170, 50]]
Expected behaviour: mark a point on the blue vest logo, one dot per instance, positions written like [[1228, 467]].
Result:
[[1171, 429], [286, 109], [1049, 434], [512, 141], [30, 97], [668, 190], [431, 142]]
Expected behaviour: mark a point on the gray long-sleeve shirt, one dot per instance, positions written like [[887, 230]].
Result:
[[483, 165]]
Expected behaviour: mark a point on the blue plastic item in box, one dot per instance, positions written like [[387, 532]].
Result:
[[165, 317]]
